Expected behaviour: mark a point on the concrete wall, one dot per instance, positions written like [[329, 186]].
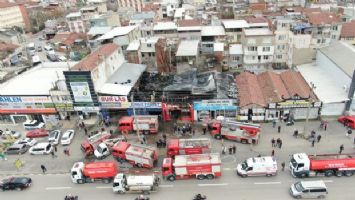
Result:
[[303, 56]]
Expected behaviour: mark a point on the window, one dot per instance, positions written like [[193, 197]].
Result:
[[335, 28], [209, 45], [266, 49], [319, 41], [265, 57], [334, 37], [283, 25], [323, 41], [279, 56], [318, 190], [252, 48], [282, 37]]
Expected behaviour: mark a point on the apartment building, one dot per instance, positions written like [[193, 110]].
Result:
[[326, 27], [165, 29], [169, 7], [11, 15], [282, 27], [210, 35], [109, 19], [189, 29], [300, 37], [137, 5], [258, 49], [348, 31], [145, 21], [234, 29], [75, 22]]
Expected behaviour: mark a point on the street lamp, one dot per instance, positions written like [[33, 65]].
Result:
[[305, 128]]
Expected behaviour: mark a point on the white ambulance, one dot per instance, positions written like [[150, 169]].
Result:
[[258, 166]]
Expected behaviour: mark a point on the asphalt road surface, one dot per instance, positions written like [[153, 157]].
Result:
[[229, 186]]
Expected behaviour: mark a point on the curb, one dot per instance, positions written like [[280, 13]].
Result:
[[32, 174]]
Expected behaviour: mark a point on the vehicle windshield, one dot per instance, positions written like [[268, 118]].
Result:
[[245, 165], [64, 138], [299, 187], [99, 149], [294, 163]]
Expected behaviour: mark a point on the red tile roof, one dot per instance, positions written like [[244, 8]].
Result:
[[91, 61], [257, 6], [272, 87], [296, 85], [254, 19], [348, 29], [7, 46], [6, 4], [189, 22], [311, 10], [151, 7], [322, 18], [249, 91]]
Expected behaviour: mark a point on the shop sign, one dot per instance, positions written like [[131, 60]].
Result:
[[293, 104], [81, 91], [25, 99], [117, 105], [87, 109], [136, 105], [112, 99], [146, 105], [26, 104], [218, 104], [64, 107]]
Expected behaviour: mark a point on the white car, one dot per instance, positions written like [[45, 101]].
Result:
[[49, 49], [27, 141], [43, 148], [67, 137], [54, 137], [33, 124], [12, 134]]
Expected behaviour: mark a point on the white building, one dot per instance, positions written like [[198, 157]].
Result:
[[145, 21], [258, 49], [75, 23], [165, 29], [234, 29], [282, 42], [189, 29], [11, 15], [235, 56], [209, 36], [135, 4]]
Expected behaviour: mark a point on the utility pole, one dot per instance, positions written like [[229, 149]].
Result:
[[134, 116], [305, 128]]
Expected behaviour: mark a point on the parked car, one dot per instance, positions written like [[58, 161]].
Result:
[[54, 137], [12, 134], [27, 141], [33, 124], [15, 183], [67, 137], [52, 57], [49, 49], [37, 133], [17, 149], [308, 189], [39, 48], [43, 148], [348, 121]]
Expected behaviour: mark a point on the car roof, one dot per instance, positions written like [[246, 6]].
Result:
[[313, 184], [42, 144], [17, 145], [66, 133]]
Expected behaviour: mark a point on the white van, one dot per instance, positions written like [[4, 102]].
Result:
[[31, 48], [43, 148], [258, 166], [36, 60], [49, 49], [33, 124], [309, 189]]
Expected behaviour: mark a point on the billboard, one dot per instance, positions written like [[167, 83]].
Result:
[[26, 104], [81, 91]]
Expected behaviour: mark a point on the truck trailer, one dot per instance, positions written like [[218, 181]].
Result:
[[201, 166], [188, 146], [92, 172], [303, 165], [137, 155], [89, 145], [135, 183], [145, 124]]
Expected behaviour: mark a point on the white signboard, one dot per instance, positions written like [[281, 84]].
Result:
[[113, 99], [81, 91]]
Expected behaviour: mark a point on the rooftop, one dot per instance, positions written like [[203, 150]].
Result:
[[99, 30], [4, 4], [212, 31], [94, 59], [143, 15], [122, 81], [118, 31], [348, 29], [188, 48], [165, 26], [133, 46], [323, 18], [257, 32], [249, 90], [36, 81], [342, 54], [189, 22], [235, 49], [235, 24], [73, 14]]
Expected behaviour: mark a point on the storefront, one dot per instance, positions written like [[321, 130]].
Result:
[[17, 109], [145, 108], [293, 109], [211, 109], [251, 113]]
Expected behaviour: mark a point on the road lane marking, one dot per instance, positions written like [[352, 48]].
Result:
[[166, 186], [103, 187], [227, 169], [57, 188], [213, 184], [267, 183], [328, 181]]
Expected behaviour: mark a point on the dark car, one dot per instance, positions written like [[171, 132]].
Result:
[[52, 57], [17, 149], [15, 183]]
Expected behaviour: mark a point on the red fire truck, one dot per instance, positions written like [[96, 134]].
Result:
[[144, 123], [201, 166], [237, 131], [91, 172], [188, 146], [137, 155], [89, 144], [303, 165]]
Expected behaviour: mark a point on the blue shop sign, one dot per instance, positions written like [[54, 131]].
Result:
[[202, 106]]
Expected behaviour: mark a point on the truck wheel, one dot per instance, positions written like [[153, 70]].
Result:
[[106, 181], [218, 136], [339, 173], [244, 141], [210, 176], [171, 178], [146, 192], [146, 132], [321, 197], [268, 175], [139, 165], [201, 177], [298, 197], [348, 173], [80, 181], [329, 173]]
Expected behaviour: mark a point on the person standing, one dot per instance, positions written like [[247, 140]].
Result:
[[313, 141], [318, 138], [273, 142], [86, 131], [193, 132], [273, 123], [325, 126], [341, 149], [283, 166], [224, 149], [279, 129], [204, 130], [273, 153], [44, 169], [349, 132], [280, 144], [234, 149], [55, 148], [230, 149]]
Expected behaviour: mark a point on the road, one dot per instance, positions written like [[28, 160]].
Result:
[[229, 186]]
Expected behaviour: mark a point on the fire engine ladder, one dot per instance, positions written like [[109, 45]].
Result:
[[238, 124]]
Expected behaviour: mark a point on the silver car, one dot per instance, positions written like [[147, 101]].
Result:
[[17, 149], [54, 137]]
